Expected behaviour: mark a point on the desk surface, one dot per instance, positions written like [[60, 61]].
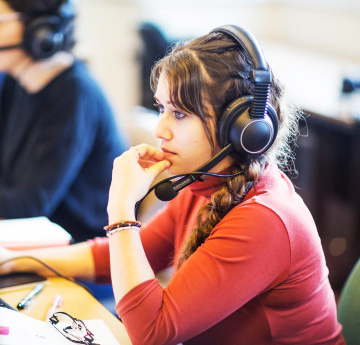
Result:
[[76, 301]]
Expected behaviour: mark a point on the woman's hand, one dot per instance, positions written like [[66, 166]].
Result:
[[133, 173]]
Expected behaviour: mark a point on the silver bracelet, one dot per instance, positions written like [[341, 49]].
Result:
[[112, 231]]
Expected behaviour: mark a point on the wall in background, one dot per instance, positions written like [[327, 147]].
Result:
[[330, 27], [108, 40], [108, 32]]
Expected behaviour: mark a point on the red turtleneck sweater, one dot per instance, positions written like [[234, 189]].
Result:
[[259, 278]]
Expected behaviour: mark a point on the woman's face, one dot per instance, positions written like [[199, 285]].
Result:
[[11, 33], [182, 136]]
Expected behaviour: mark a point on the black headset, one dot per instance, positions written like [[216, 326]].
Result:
[[48, 34], [247, 127], [249, 123]]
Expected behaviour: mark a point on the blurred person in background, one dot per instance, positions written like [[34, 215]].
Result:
[[58, 135]]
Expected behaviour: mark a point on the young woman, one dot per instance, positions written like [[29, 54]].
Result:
[[57, 129], [248, 263]]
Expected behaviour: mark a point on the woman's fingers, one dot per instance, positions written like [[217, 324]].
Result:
[[155, 169], [150, 159], [146, 164], [133, 173], [149, 153], [146, 155]]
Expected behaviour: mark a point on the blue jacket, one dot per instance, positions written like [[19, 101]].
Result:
[[57, 148]]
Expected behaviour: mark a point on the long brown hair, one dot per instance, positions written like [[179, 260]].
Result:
[[205, 75]]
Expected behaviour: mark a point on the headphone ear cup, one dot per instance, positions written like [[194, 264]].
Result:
[[42, 37], [249, 137]]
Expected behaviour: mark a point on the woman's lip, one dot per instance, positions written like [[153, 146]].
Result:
[[167, 151]]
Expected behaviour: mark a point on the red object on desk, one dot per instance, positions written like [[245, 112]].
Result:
[[4, 330], [57, 302]]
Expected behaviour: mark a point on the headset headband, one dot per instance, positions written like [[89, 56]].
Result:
[[260, 75]]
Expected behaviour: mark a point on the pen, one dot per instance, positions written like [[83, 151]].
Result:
[[56, 303], [28, 297]]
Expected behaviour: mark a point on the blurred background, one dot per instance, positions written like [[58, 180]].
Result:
[[312, 46]]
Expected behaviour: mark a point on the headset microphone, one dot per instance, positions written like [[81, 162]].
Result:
[[169, 190]]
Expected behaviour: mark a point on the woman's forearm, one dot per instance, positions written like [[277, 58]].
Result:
[[129, 265], [133, 173], [74, 260]]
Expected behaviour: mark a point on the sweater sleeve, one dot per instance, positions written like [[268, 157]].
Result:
[[156, 238], [231, 266], [101, 255]]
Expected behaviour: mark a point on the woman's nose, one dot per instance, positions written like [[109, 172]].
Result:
[[162, 129]]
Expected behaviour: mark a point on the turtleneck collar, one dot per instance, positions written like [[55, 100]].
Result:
[[212, 184], [206, 187]]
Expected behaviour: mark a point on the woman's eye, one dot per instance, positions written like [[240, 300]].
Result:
[[160, 107], [179, 115]]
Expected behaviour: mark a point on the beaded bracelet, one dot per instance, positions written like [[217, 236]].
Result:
[[111, 232], [124, 224]]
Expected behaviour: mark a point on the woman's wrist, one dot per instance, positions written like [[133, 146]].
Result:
[[121, 213], [121, 226]]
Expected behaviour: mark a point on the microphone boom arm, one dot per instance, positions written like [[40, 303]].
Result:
[[186, 180], [168, 190]]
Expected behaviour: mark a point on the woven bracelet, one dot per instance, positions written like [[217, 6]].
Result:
[[123, 224], [112, 231]]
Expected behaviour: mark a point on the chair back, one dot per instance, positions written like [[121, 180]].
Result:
[[349, 307]]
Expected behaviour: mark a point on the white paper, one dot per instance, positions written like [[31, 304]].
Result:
[[26, 330], [103, 335], [36, 231]]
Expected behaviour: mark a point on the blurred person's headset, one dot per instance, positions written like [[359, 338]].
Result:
[[47, 34]]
